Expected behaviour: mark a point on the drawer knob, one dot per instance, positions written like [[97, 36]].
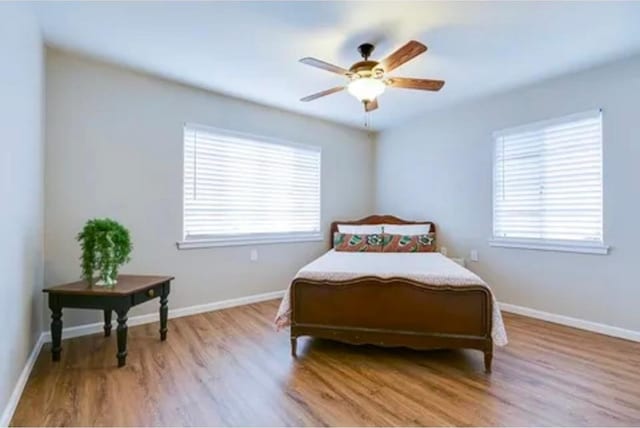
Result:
[[151, 293]]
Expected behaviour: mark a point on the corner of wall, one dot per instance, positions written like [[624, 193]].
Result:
[[22, 161]]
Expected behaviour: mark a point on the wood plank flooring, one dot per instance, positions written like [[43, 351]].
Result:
[[231, 368]]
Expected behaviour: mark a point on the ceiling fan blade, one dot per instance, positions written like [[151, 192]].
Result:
[[324, 65], [371, 105], [322, 94], [409, 83], [406, 53]]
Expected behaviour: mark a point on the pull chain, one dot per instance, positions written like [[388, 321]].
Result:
[[367, 120]]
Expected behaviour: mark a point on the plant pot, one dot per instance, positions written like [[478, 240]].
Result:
[[106, 281]]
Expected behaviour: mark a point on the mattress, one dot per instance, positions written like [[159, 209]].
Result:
[[426, 268]]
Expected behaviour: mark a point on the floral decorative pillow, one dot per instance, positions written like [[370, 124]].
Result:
[[408, 243], [357, 243]]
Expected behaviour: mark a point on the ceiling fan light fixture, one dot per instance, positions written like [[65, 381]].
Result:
[[368, 79], [366, 88]]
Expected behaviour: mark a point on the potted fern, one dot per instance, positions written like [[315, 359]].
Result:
[[106, 245]]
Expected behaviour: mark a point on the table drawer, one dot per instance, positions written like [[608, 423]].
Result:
[[148, 294]]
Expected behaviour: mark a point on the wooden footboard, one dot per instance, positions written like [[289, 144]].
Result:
[[393, 312]]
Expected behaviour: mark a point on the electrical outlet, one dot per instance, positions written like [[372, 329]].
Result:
[[443, 251], [473, 255], [253, 255]]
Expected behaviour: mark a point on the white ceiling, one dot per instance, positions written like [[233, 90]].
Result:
[[251, 49]]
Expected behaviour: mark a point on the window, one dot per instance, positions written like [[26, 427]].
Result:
[[548, 185], [241, 189]]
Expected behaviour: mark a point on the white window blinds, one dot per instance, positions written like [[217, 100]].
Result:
[[548, 181], [244, 189]]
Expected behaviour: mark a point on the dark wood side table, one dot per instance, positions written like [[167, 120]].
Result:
[[131, 290]]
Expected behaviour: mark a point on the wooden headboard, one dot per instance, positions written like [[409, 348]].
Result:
[[377, 219]]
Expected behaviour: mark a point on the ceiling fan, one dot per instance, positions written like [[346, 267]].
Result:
[[368, 79]]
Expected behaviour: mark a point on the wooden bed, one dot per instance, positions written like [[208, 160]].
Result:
[[392, 312]]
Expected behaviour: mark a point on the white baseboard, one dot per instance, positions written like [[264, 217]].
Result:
[[572, 322], [10, 408], [85, 329]]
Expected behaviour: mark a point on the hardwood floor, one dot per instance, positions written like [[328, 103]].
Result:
[[231, 368]]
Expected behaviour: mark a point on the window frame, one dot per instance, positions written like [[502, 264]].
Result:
[[208, 241], [573, 246]]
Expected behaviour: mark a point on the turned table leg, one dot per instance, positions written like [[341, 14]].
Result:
[[56, 332], [107, 322], [122, 337], [164, 313]]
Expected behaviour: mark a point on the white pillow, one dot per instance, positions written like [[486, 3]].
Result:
[[406, 229], [360, 229]]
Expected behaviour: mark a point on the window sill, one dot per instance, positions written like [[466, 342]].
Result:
[[233, 241], [562, 246]]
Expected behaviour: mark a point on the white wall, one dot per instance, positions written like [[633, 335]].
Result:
[[21, 192], [114, 148], [439, 167]]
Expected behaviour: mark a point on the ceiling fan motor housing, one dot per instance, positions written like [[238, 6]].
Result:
[[364, 68]]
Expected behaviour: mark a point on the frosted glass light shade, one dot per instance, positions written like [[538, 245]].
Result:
[[366, 88]]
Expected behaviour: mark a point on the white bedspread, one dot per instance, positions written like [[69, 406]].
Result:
[[428, 268]]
